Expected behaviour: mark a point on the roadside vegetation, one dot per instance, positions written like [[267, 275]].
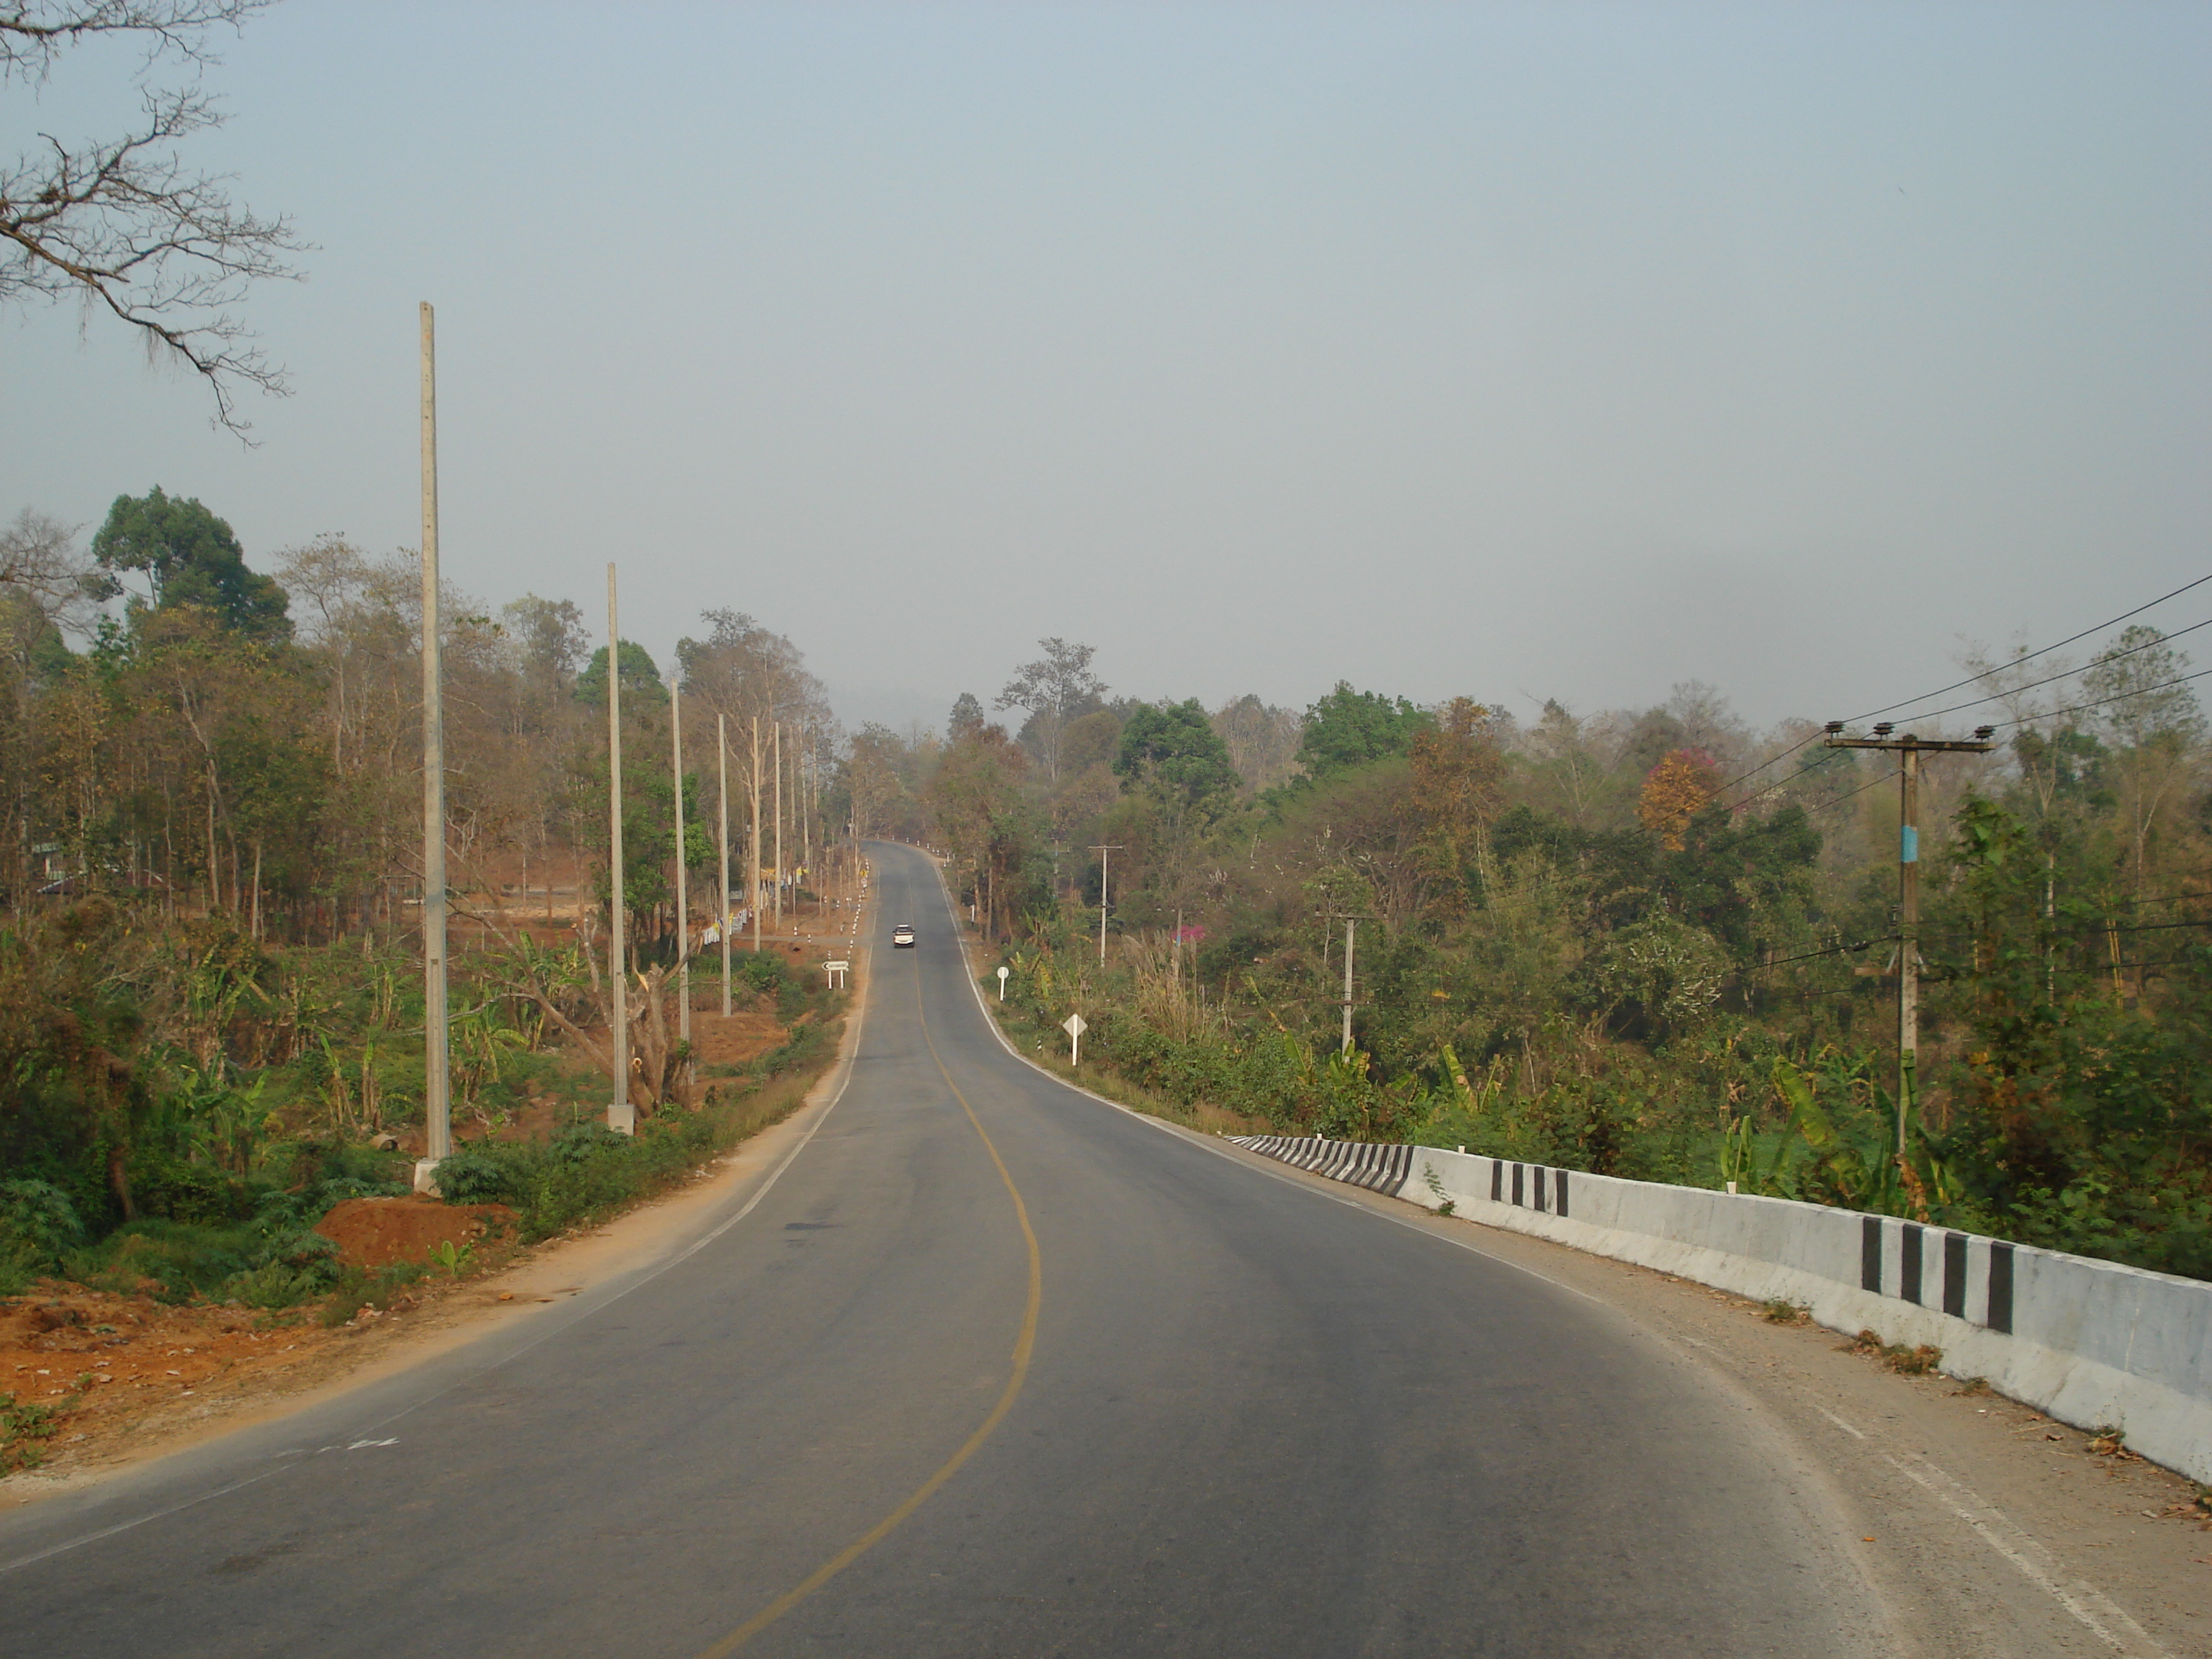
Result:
[[1651, 943], [211, 1012]]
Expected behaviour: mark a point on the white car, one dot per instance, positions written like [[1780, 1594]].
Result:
[[902, 937]]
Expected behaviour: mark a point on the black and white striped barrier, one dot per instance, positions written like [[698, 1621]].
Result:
[[2092, 1343], [1380, 1168]]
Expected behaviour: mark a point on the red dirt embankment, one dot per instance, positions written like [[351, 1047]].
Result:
[[376, 1232]]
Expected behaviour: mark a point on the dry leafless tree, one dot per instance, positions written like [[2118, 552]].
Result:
[[124, 224]]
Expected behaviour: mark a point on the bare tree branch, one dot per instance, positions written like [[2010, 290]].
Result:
[[33, 35], [41, 565], [123, 224]]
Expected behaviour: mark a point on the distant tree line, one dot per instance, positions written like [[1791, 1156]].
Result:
[[1648, 941]]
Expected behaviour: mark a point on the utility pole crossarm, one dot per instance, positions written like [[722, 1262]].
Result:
[[1925, 746]]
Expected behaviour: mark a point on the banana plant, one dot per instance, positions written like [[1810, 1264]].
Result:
[[1863, 1173], [479, 1034], [1739, 1159]]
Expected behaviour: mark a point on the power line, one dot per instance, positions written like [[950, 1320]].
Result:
[[1930, 713], [1799, 776], [2121, 696], [1972, 678], [1832, 951], [1829, 806], [1761, 767]]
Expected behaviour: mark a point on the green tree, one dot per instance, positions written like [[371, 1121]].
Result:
[[1349, 728], [642, 688], [1172, 750], [192, 558]]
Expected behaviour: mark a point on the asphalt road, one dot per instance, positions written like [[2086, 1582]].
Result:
[[992, 1368]]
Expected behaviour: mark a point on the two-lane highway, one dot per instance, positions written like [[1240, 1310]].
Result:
[[992, 1370]]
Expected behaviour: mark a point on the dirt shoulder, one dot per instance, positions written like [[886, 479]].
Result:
[[132, 1379]]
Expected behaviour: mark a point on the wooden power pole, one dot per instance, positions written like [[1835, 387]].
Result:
[[1908, 749]]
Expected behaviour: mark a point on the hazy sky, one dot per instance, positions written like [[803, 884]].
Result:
[[1568, 350]]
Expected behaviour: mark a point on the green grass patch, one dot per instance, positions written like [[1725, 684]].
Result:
[[22, 1426], [588, 1172], [363, 1287]]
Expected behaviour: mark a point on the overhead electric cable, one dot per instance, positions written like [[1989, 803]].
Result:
[[2120, 696], [1723, 788], [1972, 679], [2032, 655], [1832, 951], [1768, 788], [1826, 805], [1930, 713]]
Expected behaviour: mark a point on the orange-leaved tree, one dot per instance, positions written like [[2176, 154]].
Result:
[[1684, 781]]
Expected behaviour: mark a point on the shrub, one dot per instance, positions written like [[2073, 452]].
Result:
[[185, 1259], [470, 1177], [20, 1267], [174, 1190], [39, 1218], [359, 1287], [270, 1286], [22, 1424]]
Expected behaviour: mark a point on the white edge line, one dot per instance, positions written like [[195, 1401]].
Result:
[[1856, 1434], [292, 1460], [1208, 1143], [2072, 1602], [2077, 1601]]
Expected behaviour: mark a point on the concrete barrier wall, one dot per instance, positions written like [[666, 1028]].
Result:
[[2092, 1343]]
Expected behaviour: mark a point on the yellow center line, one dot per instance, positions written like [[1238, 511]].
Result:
[[1024, 1346]]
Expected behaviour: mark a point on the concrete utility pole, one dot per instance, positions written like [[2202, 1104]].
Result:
[[722, 779], [1103, 852], [1351, 924], [1351, 932], [437, 1072], [621, 1117], [683, 897], [779, 826], [1908, 749], [753, 850]]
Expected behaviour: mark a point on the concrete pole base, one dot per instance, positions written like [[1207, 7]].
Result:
[[426, 1176], [622, 1117]]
